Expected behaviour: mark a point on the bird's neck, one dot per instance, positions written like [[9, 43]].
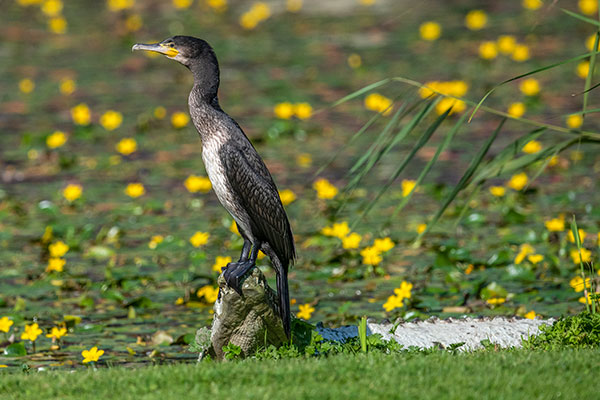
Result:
[[206, 81], [205, 112]]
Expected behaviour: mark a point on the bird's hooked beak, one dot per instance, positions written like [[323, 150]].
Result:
[[158, 48]]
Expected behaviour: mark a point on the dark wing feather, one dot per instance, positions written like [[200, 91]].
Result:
[[252, 183]]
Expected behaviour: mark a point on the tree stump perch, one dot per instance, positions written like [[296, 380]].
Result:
[[250, 321]]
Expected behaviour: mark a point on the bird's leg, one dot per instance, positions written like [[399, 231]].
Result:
[[245, 251], [243, 258], [233, 274]]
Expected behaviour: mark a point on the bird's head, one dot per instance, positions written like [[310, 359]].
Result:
[[188, 50]]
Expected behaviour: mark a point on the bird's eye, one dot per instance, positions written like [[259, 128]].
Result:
[[171, 44]]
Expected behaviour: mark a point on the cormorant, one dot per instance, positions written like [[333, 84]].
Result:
[[238, 175]]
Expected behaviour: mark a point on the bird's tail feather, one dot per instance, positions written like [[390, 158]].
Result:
[[284, 300]]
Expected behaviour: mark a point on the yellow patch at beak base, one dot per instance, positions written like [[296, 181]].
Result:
[[170, 52]]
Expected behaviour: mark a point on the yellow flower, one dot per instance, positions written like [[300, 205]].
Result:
[[257, 13], [404, 291], [520, 53], [233, 228], [589, 42], [261, 10], [126, 146], [532, 5], [304, 160], [582, 69], [408, 185], [553, 161], [199, 238], [555, 225], [303, 110], [371, 256], [287, 196], [516, 110], [306, 311], [529, 87], [210, 293], [81, 114], [118, 5], [5, 324], [179, 119], [352, 241], [488, 50], [571, 237], [586, 256], [524, 250], [577, 283], [469, 269], [58, 249], [57, 139], [111, 120], [56, 333], [392, 303], [476, 20], [67, 86], [180, 4], [430, 31], [248, 21], [135, 190], [339, 230], [589, 7], [195, 184], [293, 5], [284, 110], [114, 160], [379, 103], [588, 299], [155, 241], [383, 244], [325, 190], [52, 8], [450, 88], [220, 263], [159, 112], [535, 258], [506, 44], [495, 301], [57, 25], [533, 146], [421, 228], [133, 23], [92, 354], [354, 61], [72, 192], [497, 191], [531, 314], [26, 85], [518, 181], [458, 106], [31, 332], [217, 5], [179, 301], [574, 121]]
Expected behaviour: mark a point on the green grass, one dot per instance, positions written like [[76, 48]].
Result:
[[502, 375]]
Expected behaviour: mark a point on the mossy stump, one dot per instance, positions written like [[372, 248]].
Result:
[[250, 321]]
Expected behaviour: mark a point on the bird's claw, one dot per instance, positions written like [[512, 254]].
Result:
[[234, 272]]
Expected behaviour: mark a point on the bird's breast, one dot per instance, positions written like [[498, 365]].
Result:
[[215, 169]]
